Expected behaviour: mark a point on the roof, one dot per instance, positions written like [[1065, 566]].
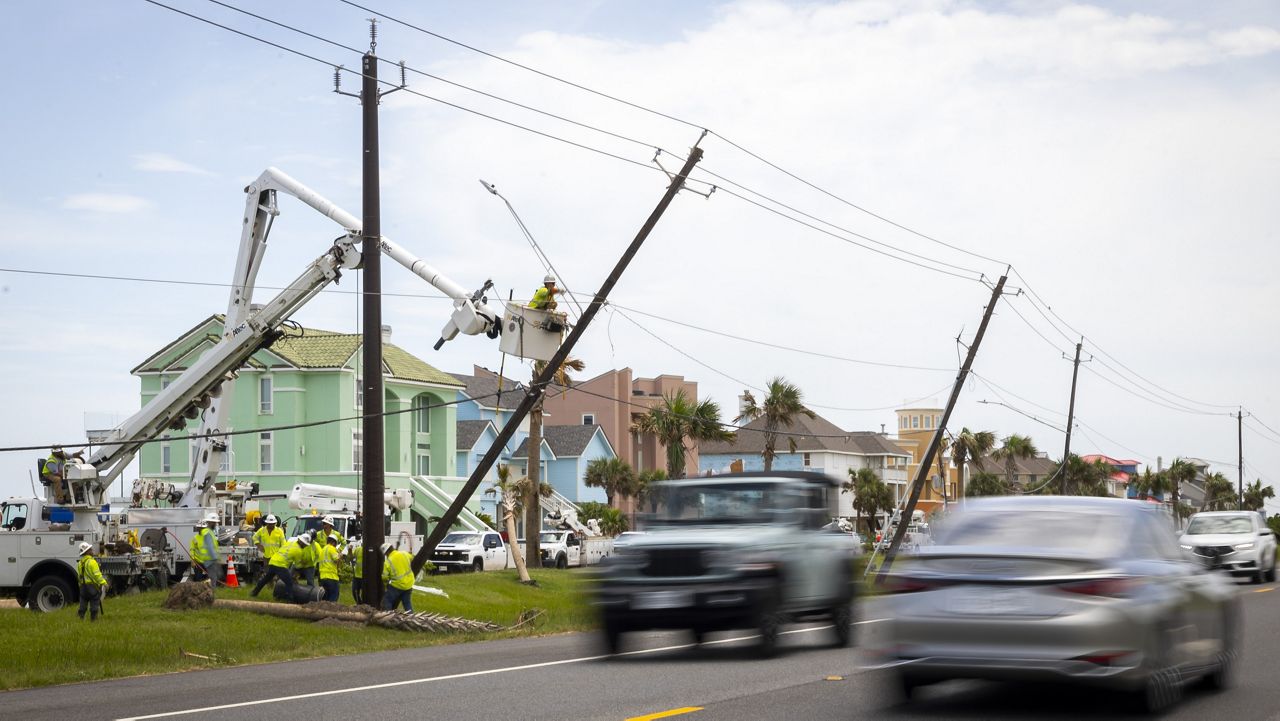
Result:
[[814, 434], [470, 431], [1034, 466], [313, 348], [565, 441], [484, 389]]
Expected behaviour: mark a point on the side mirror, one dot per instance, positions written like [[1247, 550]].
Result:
[[1265, 532]]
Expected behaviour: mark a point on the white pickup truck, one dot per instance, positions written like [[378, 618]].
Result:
[[470, 551], [565, 549]]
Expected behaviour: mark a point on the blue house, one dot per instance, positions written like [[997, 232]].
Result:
[[565, 454]]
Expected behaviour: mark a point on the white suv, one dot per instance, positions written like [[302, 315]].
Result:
[[1238, 542]]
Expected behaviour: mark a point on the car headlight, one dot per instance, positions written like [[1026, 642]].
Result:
[[1185, 547], [1243, 546]]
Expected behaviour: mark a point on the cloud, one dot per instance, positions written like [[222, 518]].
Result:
[[161, 163], [106, 203]]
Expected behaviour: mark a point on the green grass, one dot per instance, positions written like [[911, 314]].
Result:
[[137, 636]]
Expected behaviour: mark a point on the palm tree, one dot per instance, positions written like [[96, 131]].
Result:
[[1179, 472], [1085, 479], [783, 404], [870, 496], [645, 491], [510, 494], [985, 483], [678, 419], [1219, 493], [614, 475], [1256, 495], [612, 522], [968, 446], [1013, 448], [532, 504]]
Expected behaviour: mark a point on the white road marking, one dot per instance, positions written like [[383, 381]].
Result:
[[486, 672]]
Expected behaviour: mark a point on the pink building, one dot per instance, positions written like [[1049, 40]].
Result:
[[612, 400]]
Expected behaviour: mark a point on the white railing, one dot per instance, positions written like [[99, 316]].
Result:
[[425, 488]]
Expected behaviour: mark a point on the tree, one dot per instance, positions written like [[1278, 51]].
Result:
[[870, 496], [1081, 478], [532, 504], [1148, 485], [510, 498], [1179, 472], [1014, 447], [614, 475], [1255, 495], [783, 404], [985, 483], [611, 520], [677, 420], [645, 489], [970, 446], [1219, 493]]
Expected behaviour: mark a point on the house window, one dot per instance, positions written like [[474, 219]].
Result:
[[588, 419], [424, 464], [805, 460], [915, 421], [359, 393], [928, 421], [357, 450], [423, 413], [264, 394], [902, 422], [166, 458], [264, 451], [164, 383]]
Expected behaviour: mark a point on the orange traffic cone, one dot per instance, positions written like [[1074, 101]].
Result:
[[232, 581]]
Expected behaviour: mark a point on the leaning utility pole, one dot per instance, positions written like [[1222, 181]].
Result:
[[1071, 414], [539, 386], [901, 531], [372, 461]]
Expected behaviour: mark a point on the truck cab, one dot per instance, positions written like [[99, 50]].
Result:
[[470, 551]]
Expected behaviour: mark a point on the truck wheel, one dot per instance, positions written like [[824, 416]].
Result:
[[1271, 572], [842, 621], [769, 625], [611, 634], [477, 565], [48, 594], [562, 562]]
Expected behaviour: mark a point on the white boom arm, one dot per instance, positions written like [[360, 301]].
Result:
[[306, 496], [567, 518]]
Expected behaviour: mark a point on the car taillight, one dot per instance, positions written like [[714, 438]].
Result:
[[1110, 658], [1108, 587], [907, 584]]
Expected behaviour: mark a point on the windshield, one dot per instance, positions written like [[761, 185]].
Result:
[[1056, 530], [548, 537], [746, 502], [1219, 524], [465, 539]]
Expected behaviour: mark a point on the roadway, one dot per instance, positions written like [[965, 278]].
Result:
[[564, 677]]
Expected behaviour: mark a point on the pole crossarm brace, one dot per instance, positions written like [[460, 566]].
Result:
[[539, 385], [926, 463]]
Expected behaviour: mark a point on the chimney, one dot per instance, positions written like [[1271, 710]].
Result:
[[386, 334], [1159, 463], [882, 429]]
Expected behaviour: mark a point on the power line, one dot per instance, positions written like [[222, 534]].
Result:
[[1023, 413], [1113, 441], [1262, 435], [1181, 409], [994, 386], [1258, 420]]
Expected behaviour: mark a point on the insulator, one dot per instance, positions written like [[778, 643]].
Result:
[[191, 413]]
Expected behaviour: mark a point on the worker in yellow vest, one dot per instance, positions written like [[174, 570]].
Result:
[[355, 551], [397, 572], [334, 538], [544, 298], [92, 585], [204, 552], [307, 563], [283, 563], [327, 559], [269, 538]]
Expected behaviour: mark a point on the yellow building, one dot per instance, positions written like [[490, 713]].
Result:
[[916, 428]]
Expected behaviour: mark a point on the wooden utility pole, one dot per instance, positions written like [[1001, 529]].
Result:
[[539, 386], [1071, 415], [1240, 449], [923, 472], [372, 423]]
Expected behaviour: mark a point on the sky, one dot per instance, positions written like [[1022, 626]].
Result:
[[1121, 157]]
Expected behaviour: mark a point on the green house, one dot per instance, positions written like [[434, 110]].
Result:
[[308, 376]]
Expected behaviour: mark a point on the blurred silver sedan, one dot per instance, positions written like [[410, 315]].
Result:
[[1089, 590]]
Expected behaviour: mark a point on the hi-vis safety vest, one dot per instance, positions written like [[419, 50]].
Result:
[[290, 554], [271, 540], [327, 559], [200, 546], [541, 297], [88, 572], [397, 570]]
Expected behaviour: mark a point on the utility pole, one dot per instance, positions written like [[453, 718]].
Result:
[[1071, 414], [372, 423], [922, 473], [1240, 448], [539, 386]]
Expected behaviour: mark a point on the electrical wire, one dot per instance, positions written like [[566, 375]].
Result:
[[1261, 435], [1258, 420], [1023, 413], [997, 389], [1162, 404]]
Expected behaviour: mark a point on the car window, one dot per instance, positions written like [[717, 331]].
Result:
[[1154, 541], [465, 539], [1089, 532], [1219, 524]]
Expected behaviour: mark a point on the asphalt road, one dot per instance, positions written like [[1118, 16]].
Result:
[[564, 677]]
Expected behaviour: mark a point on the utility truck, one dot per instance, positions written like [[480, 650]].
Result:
[[571, 543], [340, 504], [470, 551], [39, 537]]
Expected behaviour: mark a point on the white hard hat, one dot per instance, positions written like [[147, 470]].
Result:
[[85, 547], [549, 278], [352, 539], [304, 540], [327, 520], [387, 548], [211, 518], [271, 518]]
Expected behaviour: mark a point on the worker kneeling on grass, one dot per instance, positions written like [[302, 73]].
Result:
[[355, 549], [327, 559], [397, 572], [282, 565], [92, 585]]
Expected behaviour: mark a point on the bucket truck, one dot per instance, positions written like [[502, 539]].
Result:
[[39, 537], [573, 543], [316, 501]]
